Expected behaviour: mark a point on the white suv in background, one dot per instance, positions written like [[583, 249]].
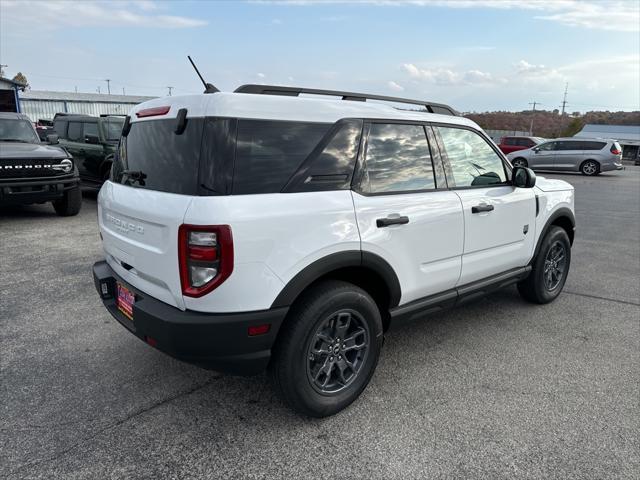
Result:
[[269, 229]]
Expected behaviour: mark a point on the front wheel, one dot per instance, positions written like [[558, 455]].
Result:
[[550, 268], [520, 162], [590, 168], [328, 349], [70, 203]]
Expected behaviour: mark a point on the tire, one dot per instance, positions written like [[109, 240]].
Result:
[[538, 289], [307, 361], [590, 168], [520, 162], [70, 204]]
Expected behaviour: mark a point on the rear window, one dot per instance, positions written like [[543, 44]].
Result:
[[269, 152], [152, 156]]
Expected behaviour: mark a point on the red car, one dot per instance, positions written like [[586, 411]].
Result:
[[511, 144]]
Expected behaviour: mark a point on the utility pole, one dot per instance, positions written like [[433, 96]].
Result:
[[564, 100], [2, 67], [123, 91], [108, 86], [170, 88], [533, 111], [98, 89], [76, 87]]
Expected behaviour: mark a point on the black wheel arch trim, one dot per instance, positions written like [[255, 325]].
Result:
[[559, 213], [334, 262]]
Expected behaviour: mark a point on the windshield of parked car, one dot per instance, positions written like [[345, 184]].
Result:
[[113, 129], [17, 130]]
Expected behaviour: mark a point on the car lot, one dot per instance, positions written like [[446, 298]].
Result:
[[498, 389]]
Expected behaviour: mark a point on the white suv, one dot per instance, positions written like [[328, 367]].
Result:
[[270, 229]]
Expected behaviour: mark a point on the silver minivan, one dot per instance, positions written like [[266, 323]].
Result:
[[587, 155]]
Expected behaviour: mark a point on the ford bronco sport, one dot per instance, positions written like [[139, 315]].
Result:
[[272, 229], [34, 172]]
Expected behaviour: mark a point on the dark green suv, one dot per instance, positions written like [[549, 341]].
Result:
[[92, 141]]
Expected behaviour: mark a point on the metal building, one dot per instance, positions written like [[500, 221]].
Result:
[[628, 136], [44, 105], [9, 95]]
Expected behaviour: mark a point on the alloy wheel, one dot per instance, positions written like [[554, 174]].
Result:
[[337, 351], [555, 265], [589, 168]]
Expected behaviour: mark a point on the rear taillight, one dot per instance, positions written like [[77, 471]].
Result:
[[615, 150], [206, 257]]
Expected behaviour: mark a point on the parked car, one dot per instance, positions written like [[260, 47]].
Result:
[[262, 230], [44, 128], [515, 143], [92, 141], [589, 156], [33, 172]]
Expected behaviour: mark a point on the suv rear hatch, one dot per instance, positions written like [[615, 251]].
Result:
[[154, 178]]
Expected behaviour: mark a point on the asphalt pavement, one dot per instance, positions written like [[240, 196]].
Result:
[[497, 389]]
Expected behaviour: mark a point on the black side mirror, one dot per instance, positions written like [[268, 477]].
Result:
[[92, 139], [523, 177], [52, 139], [536, 149]]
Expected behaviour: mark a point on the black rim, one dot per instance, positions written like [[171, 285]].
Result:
[[555, 266], [337, 350]]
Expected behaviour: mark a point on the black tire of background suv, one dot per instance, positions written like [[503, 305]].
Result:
[[70, 204], [288, 368], [533, 288]]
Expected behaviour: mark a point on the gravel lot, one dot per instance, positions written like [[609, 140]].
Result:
[[498, 389]]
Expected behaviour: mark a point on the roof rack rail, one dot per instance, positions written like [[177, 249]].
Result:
[[359, 97]]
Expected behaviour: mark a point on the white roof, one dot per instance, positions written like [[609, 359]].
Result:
[[618, 132], [279, 107], [81, 97]]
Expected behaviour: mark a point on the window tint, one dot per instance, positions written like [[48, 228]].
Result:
[[473, 162], [60, 128], [397, 159], [90, 129], [524, 142], [75, 132], [549, 146], [509, 141], [586, 145], [569, 145], [153, 157], [268, 153], [330, 166]]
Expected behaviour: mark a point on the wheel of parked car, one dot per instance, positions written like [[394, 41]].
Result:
[[519, 162], [70, 203], [329, 348], [550, 268], [589, 167]]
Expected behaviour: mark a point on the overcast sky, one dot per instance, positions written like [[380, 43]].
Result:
[[475, 55]]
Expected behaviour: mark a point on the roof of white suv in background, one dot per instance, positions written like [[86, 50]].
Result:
[[278, 107]]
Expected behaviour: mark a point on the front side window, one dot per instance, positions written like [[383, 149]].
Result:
[[548, 147], [397, 159], [472, 160]]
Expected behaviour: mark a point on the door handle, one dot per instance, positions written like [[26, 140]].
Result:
[[483, 207], [385, 222]]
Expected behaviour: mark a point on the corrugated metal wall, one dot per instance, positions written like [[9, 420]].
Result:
[[46, 109]]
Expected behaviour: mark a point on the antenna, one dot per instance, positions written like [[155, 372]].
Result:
[[208, 88]]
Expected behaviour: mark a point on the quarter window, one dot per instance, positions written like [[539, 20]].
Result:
[[473, 162], [397, 159]]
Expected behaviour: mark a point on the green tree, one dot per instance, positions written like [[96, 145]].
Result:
[[574, 127], [21, 79]]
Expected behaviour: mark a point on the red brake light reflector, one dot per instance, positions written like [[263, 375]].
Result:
[[153, 112], [259, 329]]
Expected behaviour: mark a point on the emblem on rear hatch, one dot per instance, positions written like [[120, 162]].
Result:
[[124, 226]]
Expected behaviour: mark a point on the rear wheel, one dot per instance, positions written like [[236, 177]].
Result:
[[519, 162], [70, 203], [550, 268], [590, 167], [328, 349]]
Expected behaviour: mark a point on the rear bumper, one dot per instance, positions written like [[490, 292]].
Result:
[[608, 167], [22, 191], [213, 341]]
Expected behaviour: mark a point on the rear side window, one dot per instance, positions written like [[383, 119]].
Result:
[[90, 128], [269, 152], [75, 131], [566, 145], [509, 141], [152, 156], [524, 142], [472, 160], [593, 145], [60, 128], [397, 159]]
